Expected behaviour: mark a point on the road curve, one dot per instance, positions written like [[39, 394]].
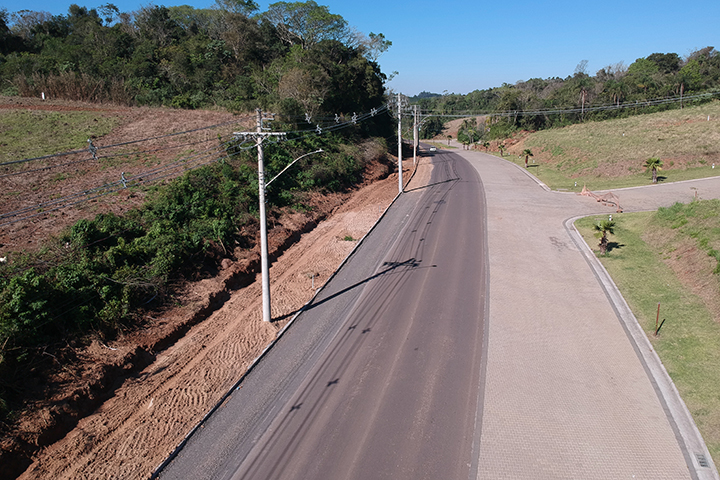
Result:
[[393, 388]]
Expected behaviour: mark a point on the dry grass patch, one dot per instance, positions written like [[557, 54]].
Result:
[[597, 153]]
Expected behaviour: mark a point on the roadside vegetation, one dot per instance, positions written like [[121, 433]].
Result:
[[613, 153], [99, 275], [670, 257]]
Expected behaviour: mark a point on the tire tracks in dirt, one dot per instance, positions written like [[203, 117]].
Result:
[[132, 432]]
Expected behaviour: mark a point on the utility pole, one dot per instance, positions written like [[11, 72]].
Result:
[[264, 267], [400, 181], [415, 134], [260, 136]]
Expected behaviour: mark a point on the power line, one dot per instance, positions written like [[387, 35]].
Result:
[[73, 152], [186, 163], [636, 104]]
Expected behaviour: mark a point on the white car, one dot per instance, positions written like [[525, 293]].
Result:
[[433, 149]]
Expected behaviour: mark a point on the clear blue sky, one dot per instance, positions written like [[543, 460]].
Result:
[[463, 45]]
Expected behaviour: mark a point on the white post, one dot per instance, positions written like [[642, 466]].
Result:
[[415, 135], [400, 181], [264, 268]]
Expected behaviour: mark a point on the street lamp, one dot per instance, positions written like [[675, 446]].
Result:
[[264, 263]]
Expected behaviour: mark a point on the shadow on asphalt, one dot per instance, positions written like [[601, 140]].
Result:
[[391, 266]]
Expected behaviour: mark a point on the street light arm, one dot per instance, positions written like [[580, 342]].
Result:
[[290, 165]]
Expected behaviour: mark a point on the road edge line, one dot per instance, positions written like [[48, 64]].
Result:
[[158, 470]]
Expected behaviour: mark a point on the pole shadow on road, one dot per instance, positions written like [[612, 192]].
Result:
[[411, 263]]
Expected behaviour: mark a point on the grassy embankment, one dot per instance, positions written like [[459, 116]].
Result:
[[610, 154], [34, 133], [671, 257]]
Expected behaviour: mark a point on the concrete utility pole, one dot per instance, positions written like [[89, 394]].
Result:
[[264, 267], [415, 134], [400, 181], [260, 136]]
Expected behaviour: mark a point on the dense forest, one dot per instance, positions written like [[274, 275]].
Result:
[[660, 80], [294, 58]]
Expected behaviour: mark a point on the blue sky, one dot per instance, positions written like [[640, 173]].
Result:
[[460, 45]]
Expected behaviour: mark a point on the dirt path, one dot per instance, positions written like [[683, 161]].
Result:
[[135, 430]]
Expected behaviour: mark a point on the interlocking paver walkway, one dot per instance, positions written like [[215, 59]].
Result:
[[568, 393]]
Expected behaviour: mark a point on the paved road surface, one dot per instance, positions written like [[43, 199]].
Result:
[[396, 373], [394, 393]]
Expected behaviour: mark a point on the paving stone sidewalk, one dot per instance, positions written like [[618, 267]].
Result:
[[571, 390]]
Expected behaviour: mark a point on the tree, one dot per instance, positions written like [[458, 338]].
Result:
[[501, 147], [449, 137], [603, 229], [372, 46], [653, 164], [666, 62], [305, 23], [243, 7], [528, 153]]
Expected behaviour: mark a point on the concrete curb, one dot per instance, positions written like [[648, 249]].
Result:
[[700, 463], [158, 470]]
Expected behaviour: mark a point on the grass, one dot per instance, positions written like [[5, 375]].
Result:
[[557, 180], [689, 341], [609, 154], [34, 133]]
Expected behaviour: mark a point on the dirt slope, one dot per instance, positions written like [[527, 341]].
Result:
[[120, 408], [132, 433], [69, 175]]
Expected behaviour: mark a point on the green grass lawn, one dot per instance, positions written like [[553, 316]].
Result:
[[689, 341], [609, 154], [557, 180]]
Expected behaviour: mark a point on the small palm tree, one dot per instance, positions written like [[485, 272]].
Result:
[[653, 164], [602, 229], [501, 147], [449, 137], [486, 145], [527, 154]]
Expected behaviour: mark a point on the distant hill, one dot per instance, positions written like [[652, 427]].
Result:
[[422, 95]]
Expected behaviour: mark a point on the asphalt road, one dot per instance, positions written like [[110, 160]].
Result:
[[382, 376]]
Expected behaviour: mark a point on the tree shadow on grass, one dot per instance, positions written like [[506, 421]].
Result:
[[614, 246]]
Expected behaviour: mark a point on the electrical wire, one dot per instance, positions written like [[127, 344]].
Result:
[[170, 170], [101, 147], [512, 113]]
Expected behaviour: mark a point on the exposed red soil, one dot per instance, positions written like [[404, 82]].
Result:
[[117, 409]]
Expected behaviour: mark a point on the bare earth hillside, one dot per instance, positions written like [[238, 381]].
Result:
[[122, 406]]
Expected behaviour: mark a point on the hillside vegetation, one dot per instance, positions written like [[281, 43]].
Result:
[[610, 154], [655, 83], [294, 58]]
